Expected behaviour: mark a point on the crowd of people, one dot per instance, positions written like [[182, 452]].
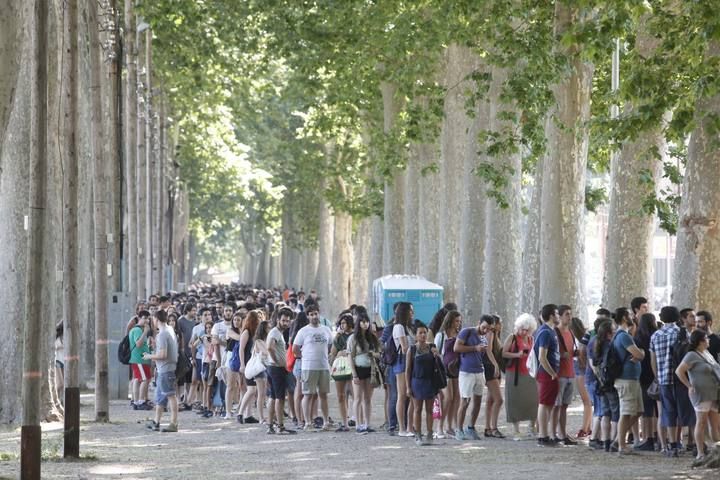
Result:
[[269, 356]]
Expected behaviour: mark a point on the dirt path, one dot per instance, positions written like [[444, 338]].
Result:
[[217, 448]]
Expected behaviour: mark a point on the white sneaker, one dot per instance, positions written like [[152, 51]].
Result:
[[406, 434]]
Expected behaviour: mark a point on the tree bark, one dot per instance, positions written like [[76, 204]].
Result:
[[454, 144], [341, 264], [325, 238], [697, 261], [502, 252], [530, 301], [394, 195], [32, 378], [428, 212], [562, 234], [311, 264], [361, 257], [160, 208], [100, 220], [71, 311], [130, 152], [150, 221], [15, 124], [140, 175], [411, 217], [113, 123]]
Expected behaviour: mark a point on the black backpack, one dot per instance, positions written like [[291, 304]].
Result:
[[611, 366], [183, 365], [390, 351], [680, 349], [124, 350]]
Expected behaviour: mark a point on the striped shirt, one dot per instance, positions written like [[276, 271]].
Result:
[[662, 343]]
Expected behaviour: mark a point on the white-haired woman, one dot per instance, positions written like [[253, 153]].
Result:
[[521, 402]]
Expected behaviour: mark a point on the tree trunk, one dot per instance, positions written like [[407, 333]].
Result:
[[361, 256], [411, 217], [130, 142], [530, 301], [428, 212], [394, 195], [502, 254], [33, 365], [100, 220], [113, 124], [562, 234], [141, 176], [71, 311], [325, 238], [15, 92], [150, 247], [376, 251], [697, 261], [454, 144], [311, 265], [472, 210], [342, 264], [160, 209]]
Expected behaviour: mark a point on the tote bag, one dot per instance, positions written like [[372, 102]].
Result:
[[254, 367]]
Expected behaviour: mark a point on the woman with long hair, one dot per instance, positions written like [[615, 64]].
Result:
[[610, 401], [492, 376], [445, 341], [300, 321], [364, 348], [233, 392], [403, 340], [646, 327], [420, 365], [521, 401], [247, 340], [339, 349], [700, 373], [577, 328]]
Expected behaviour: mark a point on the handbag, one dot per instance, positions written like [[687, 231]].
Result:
[[439, 378], [532, 363], [290, 359], [341, 371], [376, 375], [653, 390], [254, 367]]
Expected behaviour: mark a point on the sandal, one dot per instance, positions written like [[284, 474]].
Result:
[[488, 433], [497, 433]]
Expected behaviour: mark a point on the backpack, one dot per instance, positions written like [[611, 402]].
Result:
[[390, 352], [680, 349], [611, 366], [183, 366], [124, 350]]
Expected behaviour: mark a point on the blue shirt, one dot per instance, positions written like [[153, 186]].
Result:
[[471, 362], [631, 370], [546, 337]]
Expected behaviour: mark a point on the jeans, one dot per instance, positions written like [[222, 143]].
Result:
[[392, 413]]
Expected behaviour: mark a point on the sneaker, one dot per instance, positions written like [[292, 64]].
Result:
[[647, 446], [471, 433], [207, 414], [543, 441], [369, 430], [295, 422], [675, 452], [271, 430], [595, 444], [418, 440], [342, 428], [438, 435], [184, 407], [153, 425], [326, 427], [142, 406], [240, 419], [351, 423], [460, 435], [406, 434], [428, 439], [361, 431], [251, 419], [281, 430], [582, 434], [318, 422], [171, 428], [567, 441], [626, 451]]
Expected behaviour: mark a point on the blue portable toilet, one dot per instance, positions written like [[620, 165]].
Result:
[[426, 296]]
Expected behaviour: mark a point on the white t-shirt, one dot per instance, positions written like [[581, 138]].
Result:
[[361, 359], [220, 330], [198, 331], [399, 332], [280, 348], [314, 342]]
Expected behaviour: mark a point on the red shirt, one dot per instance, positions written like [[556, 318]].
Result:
[[520, 345], [566, 360]]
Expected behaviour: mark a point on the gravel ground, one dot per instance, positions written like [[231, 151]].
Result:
[[215, 448]]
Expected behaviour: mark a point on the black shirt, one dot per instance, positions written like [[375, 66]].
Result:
[[714, 345]]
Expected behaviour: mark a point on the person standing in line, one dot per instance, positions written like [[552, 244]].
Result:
[[139, 345], [402, 341], [165, 358], [471, 344], [364, 349], [566, 376], [339, 349], [547, 349], [577, 328], [700, 373], [420, 365], [186, 323], [445, 343], [311, 346], [661, 344], [628, 383], [492, 356], [521, 403], [646, 327], [704, 322], [277, 374]]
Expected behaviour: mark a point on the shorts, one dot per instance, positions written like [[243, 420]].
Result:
[[277, 382], [60, 365], [611, 405], [649, 405], [685, 409], [315, 381], [547, 389], [399, 366], [141, 371], [566, 390], [669, 406], [706, 406], [630, 394], [166, 388], [197, 370], [205, 371], [595, 397], [576, 368], [363, 373], [471, 384], [291, 383]]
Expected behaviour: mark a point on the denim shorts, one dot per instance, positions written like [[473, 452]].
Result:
[[166, 387], [611, 405], [669, 406]]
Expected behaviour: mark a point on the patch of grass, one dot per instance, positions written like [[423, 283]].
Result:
[[7, 456]]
